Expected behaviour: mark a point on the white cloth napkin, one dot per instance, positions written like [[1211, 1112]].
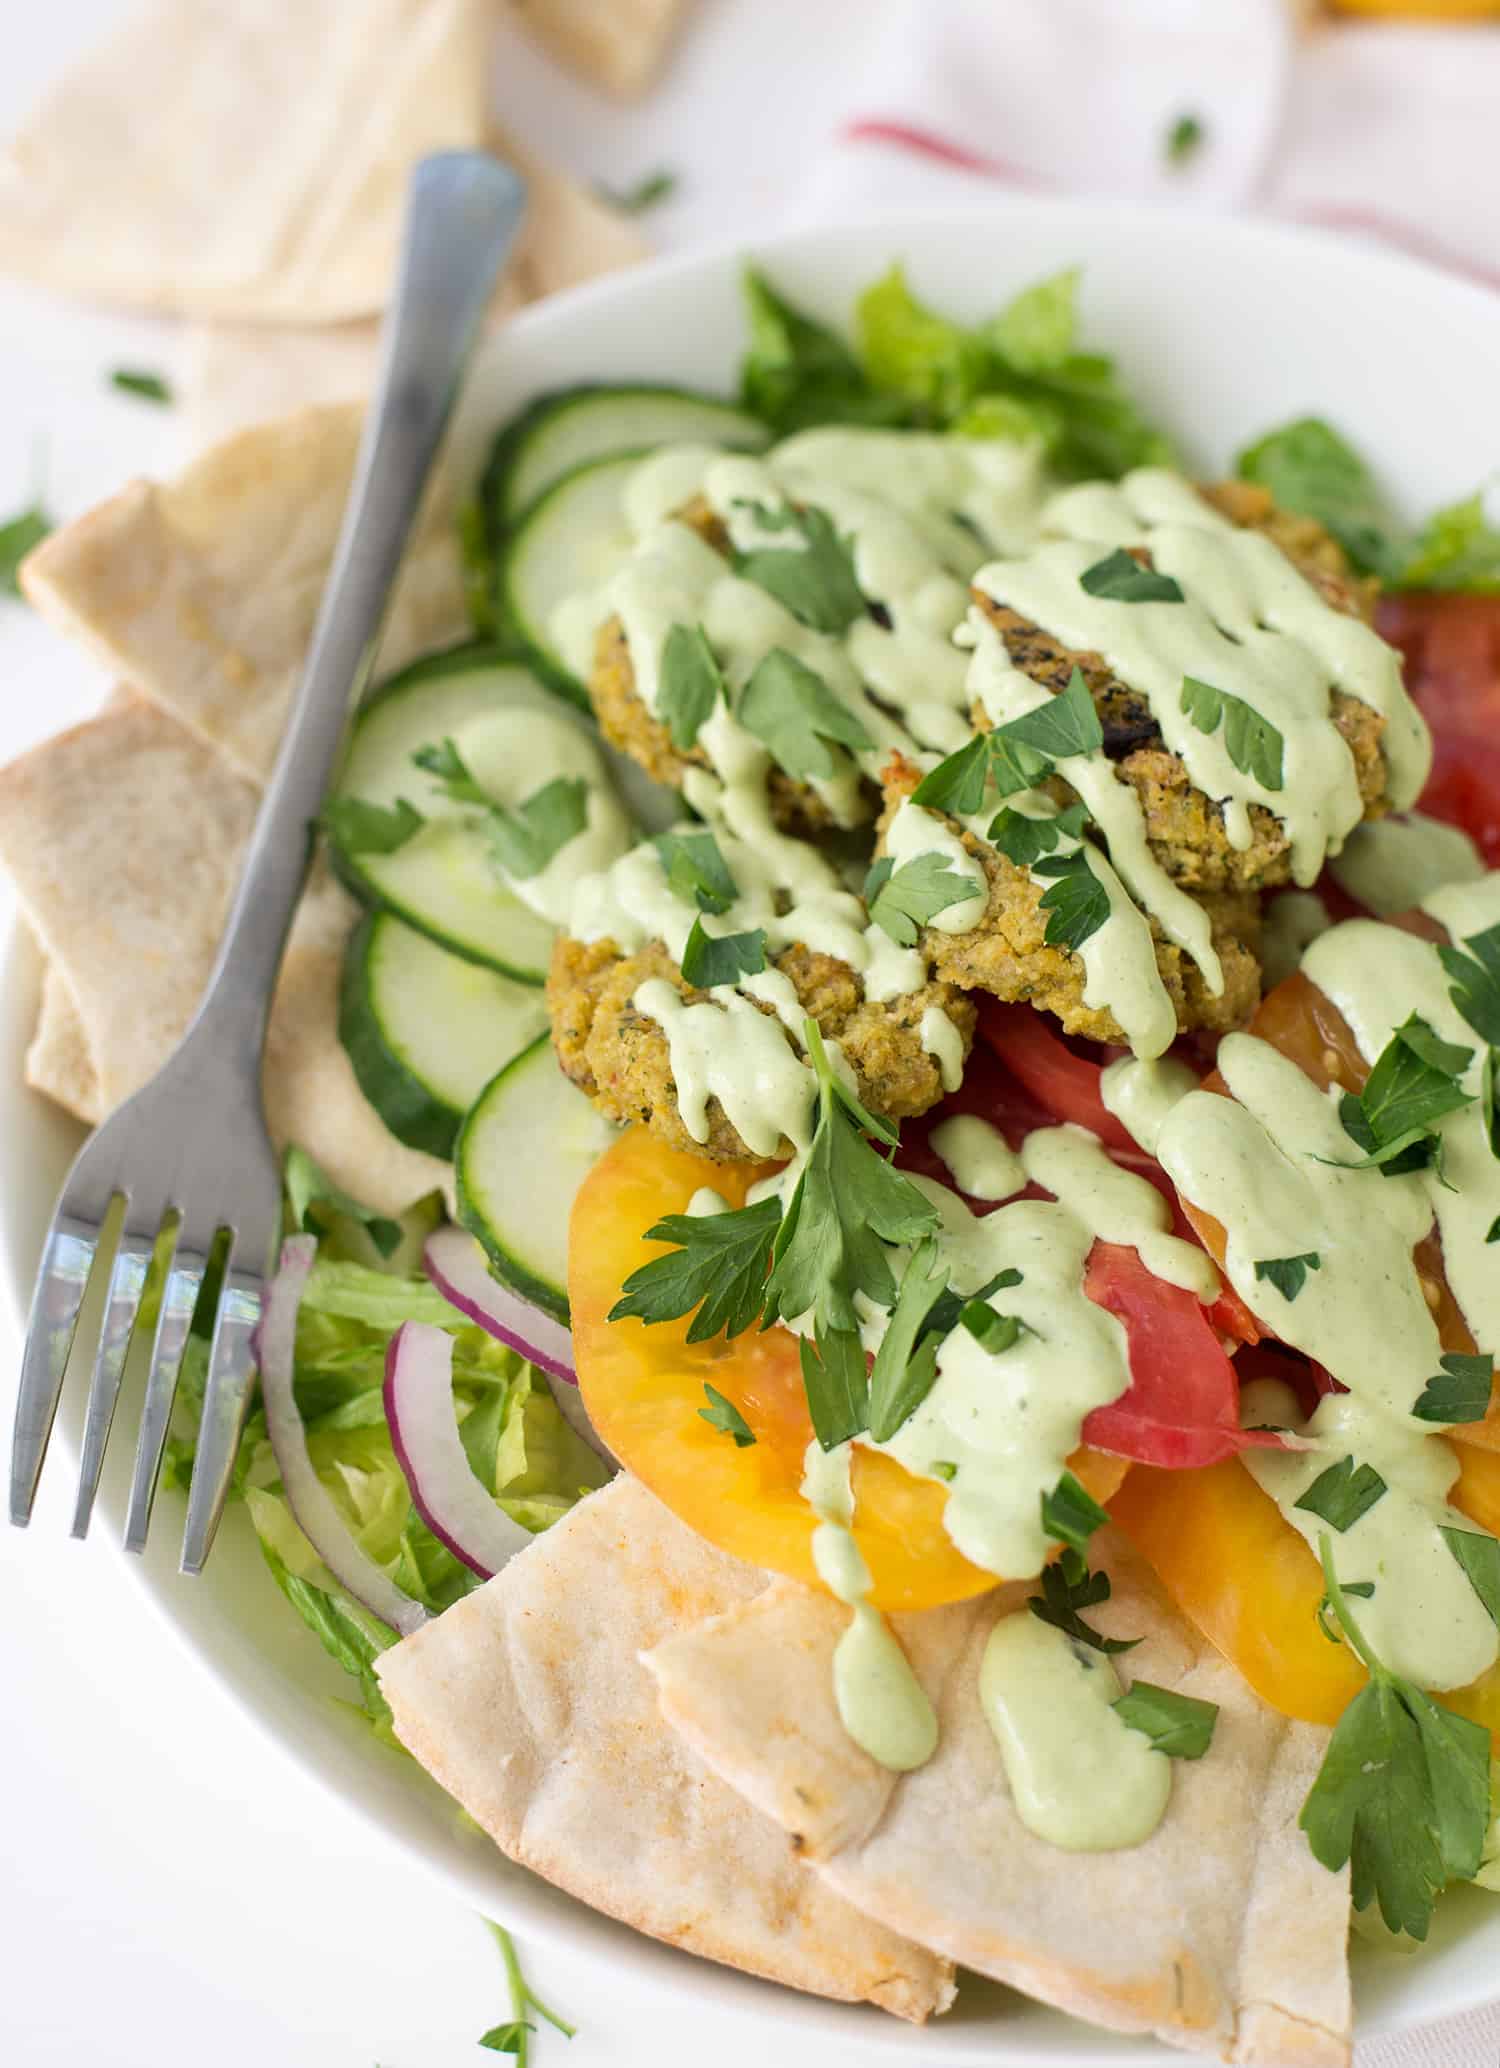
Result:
[[1382, 130]]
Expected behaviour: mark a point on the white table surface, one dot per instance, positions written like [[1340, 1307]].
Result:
[[174, 1892]]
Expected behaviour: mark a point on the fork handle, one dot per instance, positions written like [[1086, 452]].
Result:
[[463, 210]]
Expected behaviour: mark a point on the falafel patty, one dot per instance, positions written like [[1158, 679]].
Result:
[[1007, 954], [1185, 828], [622, 1059]]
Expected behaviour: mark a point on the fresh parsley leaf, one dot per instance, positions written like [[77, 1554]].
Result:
[[359, 827], [1489, 1098], [691, 684], [815, 581], [1025, 840], [526, 839], [1076, 902], [17, 538], [1403, 1795], [1479, 1555], [641, 194], [945, 1315], [1181, 1726], [1460, 1392], [1288, 1274], [794, 712], [442, 761], [958, 783], [1413, 1085], [849, 1203], [836, 1381], [1343, 1493], [1070, 1514], [709, 959], [1494, 1230], [723, 1414], [513, 2036], [1067, 724], [944, 1469], [1309, 468], [1120, 578], [906, 1361], [1184, 140], [150, 387], [799, 372], [1475, 981], [718, 1266], [1016, 755], [509, 2038], [696, 871], [907, 898], [1252, 742], [311, 1196], [994, 1331], [1067, 1587]]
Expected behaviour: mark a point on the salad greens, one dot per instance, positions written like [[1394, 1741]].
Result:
[[513, 2035], [17, 537]]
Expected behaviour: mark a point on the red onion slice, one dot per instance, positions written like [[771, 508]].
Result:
[[424, 1430], [307, 1497], [456, 1265]]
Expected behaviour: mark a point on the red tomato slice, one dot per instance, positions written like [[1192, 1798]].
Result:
[[1181, 1409], [1065, 1085], [1451, 647]]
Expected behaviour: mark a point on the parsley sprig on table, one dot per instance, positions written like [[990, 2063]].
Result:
[[1403, 1795]]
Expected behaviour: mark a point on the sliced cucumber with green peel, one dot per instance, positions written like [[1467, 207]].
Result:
[[564, 430], [527, 1145], [570, 541], [426, 1030], [441, 879]]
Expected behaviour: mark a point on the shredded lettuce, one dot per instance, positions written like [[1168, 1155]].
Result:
[[1019, 375]]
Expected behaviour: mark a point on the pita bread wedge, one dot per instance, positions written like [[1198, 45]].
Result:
[[244, 373], [618, 45], [1220, 1933], [528, 1703], [124, 840], [184, 166], [201, 592]]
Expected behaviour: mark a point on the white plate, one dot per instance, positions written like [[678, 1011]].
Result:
[[1222, 330]]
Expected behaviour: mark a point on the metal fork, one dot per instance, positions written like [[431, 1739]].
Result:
[[188, 1156]]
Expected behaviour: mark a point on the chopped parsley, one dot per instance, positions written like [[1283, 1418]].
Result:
[[709, 959], [148, 387], [647, 192], [1120, 578], [1342, 1494], [1068, 1587], [1288, 1274], [1479, 1555], [691, 684], [17, 537], [994, 1331], [1184, 140], [1180, 1726], [815, 580], [695, 870], [794, 713], [1403, 1794], [1460, 1392], [1017, 755], [1309, 468], [1475, 981], [522, 841], [903, 900], [1252, 743], [1024, 840], [718, 1266], [359, 827], [723, 1414], [906, 1361], [1414, 1084], [1075, 901], [1070, 1514]]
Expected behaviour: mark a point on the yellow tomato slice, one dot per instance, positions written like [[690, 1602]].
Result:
[[1237, 1569], [643, 1386]]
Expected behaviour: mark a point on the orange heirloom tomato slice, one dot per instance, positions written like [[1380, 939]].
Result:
[[1238, 1569], [643, 1387]]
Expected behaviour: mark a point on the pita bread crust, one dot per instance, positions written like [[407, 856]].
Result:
[[527, 1702], [618, 45], [59, 1062], [1220, 1933], [195, 215], [201, 592]]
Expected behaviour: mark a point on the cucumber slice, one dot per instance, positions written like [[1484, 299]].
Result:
[[564, 430], [569, 541], [426, 1030], [529, 1142], [441, 880]]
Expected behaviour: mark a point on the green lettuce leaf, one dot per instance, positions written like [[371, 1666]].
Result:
[[1457, 548]]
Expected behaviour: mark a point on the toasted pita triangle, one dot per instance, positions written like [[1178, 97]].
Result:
[[1221, 1932], [620, 46], [59, 1062], [528, 1703], [201, 592], [242, 162]]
